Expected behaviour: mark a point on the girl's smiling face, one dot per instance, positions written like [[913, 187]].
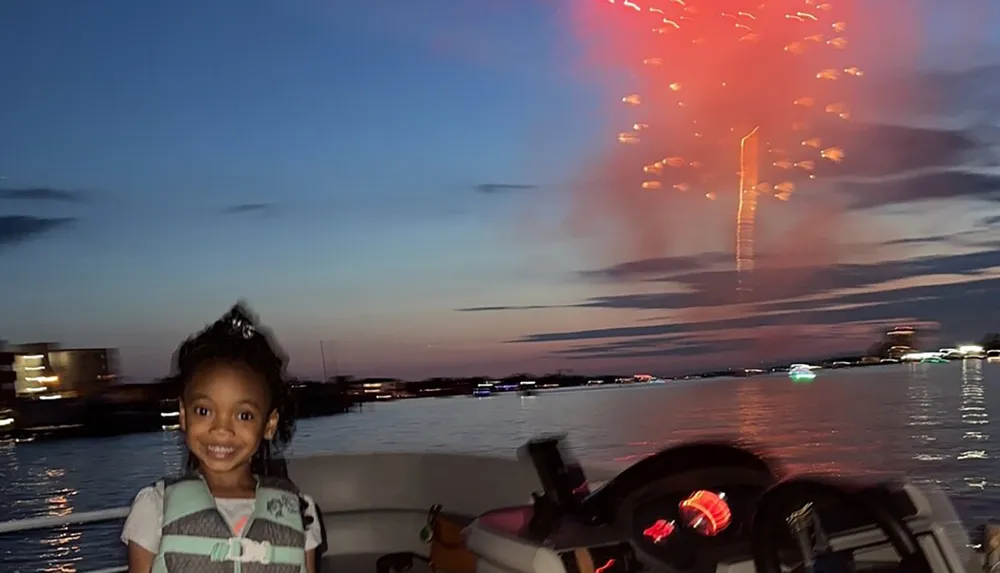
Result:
[[225, 413]]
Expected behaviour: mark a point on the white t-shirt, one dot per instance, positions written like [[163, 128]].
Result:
[[146, 518]]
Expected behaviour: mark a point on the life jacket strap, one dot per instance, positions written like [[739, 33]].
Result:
[[236, 549]]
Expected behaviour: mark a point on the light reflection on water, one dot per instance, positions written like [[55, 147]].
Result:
[[927, 421]]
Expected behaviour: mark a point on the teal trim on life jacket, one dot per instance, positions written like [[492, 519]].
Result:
[[193, 528], [222, 549], [277, 506], [185, 498]]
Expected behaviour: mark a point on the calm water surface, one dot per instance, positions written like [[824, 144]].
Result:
[[929, 422]]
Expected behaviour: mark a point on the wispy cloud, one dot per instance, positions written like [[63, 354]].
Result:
[[925, 186], [658, 266], [502, 187], [927, 240], [16, 229], [42, 194], [878, 150], [499, 308], [771, 286], [840, 323], [249, 208]]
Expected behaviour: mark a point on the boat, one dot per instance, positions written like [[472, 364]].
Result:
[[972, 352], [801, 372], [527, 388], [483, 390], [716, 504]]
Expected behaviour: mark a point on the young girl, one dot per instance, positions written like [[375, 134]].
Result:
[[234, 510]]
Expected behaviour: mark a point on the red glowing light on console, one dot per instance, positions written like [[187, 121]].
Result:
[[607, 565], [659, 530], [706, 512]]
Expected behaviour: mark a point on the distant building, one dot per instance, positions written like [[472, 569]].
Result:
[[902, 336], [44, 371], [900, 341], [371, 389], [85, 370], [33, 375]]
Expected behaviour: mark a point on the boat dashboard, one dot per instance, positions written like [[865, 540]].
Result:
[[715, 508]]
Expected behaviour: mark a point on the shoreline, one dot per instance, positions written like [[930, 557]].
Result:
[[133, 410]]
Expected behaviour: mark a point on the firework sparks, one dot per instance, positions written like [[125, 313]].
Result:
[[757, 88]]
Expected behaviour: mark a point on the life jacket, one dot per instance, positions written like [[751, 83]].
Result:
[[196, 538]]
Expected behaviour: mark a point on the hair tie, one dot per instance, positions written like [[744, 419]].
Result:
[[239, 323]]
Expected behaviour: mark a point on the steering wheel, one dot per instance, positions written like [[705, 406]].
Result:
[[604, 505], [786, 507], [678, 469]]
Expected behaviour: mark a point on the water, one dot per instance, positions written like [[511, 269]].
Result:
[[929, 422]]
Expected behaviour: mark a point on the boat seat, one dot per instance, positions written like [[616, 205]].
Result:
[[351, 483], [376, 504]]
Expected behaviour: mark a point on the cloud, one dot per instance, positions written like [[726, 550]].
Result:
[[990, 221], [928, 240], [771, 285], [968, 92], [793, 312], [878, 150], [42, 194], [845, 323], [708, 281], [16, 229], [658, 266], [502, 187], [249, 208], [499, 308], [894, 164], [926, 186]]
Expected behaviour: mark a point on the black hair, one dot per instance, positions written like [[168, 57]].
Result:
[[238, 339]]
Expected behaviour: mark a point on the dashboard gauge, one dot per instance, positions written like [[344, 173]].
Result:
[[706, 512]]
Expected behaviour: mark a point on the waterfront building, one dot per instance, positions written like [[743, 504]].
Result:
[[46, 372], [371, 389]]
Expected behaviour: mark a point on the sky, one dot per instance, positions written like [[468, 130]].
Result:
[[407, 189]]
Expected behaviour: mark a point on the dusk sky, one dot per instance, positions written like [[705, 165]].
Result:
[[402, 181]]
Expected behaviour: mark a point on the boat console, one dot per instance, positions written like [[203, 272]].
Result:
[[715, 508]]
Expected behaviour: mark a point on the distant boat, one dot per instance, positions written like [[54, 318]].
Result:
[[483, 390], [527, 393], [801, 373]]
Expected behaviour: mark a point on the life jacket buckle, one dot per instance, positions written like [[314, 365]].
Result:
[[249, 551]]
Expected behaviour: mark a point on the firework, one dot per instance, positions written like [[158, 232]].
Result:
[[744, 95]]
